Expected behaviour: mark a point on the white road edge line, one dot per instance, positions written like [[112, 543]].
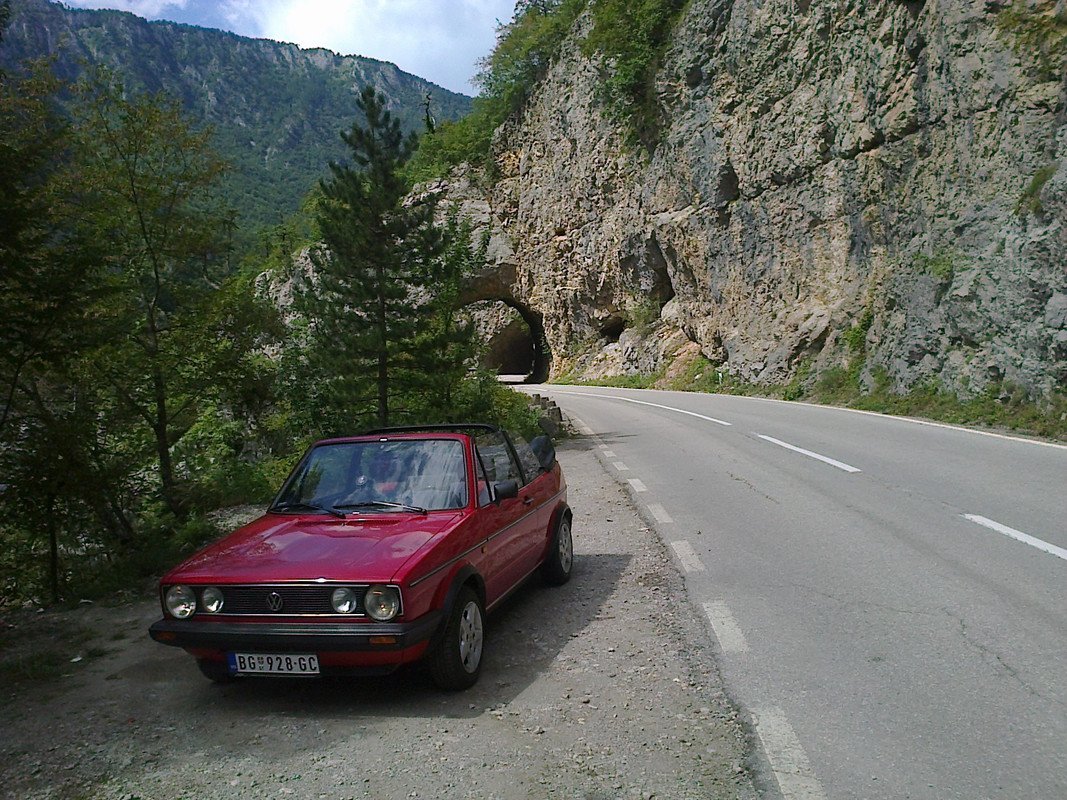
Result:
[[1026, 538], [687, 555], [810, 454], [620, 466], [638, 484], [727, 631], [789, 762], [654, 405]]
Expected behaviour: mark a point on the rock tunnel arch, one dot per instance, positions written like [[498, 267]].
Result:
[[516, 351]]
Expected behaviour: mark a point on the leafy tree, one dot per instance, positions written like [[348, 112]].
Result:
[[52, 491], [144, 184], [368, 299], [445, 346]]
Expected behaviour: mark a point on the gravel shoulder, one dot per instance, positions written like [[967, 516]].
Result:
[[604, 688]]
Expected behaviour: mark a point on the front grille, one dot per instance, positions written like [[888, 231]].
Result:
[[295, 600]]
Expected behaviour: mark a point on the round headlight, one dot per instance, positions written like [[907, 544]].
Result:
[[343, 601], [180, 602], [382, 602], [212, 600]]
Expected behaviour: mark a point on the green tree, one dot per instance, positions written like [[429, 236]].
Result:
[[368, 299], [445, 347], [144, 182], [507, 77], [53, 489]]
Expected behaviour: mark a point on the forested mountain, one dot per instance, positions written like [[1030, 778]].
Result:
[[277, 109]]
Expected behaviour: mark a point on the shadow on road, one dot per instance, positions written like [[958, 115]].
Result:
[[523, 637]]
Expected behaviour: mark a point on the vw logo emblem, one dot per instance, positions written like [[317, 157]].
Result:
[[274, 601]]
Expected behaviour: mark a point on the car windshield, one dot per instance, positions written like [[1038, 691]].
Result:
[[413, 475]]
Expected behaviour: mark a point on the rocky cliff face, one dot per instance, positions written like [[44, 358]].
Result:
[[839, 183]]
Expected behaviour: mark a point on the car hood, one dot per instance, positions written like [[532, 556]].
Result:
[[277, 548]]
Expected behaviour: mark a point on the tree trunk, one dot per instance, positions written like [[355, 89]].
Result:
[[161, 430], [383, 353], [53, 548]]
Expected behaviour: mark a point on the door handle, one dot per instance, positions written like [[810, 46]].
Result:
[[527, 500]]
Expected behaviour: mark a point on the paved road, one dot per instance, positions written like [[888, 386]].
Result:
[[889, 597]]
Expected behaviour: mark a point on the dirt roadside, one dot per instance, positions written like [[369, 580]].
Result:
[[604, 688]]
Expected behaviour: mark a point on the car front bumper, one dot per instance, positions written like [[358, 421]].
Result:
[[296, 637]]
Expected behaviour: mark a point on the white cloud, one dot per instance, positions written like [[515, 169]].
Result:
[[439, 40]]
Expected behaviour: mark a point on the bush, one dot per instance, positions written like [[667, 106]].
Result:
[[634, 35]]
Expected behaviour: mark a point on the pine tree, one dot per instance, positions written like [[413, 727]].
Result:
[[370, 294]]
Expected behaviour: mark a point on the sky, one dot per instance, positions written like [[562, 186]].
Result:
[[439, 40]]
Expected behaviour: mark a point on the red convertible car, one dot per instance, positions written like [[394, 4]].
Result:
[[380, 550]]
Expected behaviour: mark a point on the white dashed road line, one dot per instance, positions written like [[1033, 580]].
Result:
[[727, 631], [660, 513], [687, 555], [789, 762], [1019, 535], [810, 454]]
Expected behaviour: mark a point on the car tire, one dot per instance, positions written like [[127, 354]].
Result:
[[456, 662], [215, 670], [556, 569]]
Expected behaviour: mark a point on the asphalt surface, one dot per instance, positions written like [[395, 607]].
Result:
[[889, 598]]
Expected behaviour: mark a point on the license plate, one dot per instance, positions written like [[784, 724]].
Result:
[[273, 664]]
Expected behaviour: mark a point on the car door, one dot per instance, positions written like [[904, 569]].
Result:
[[509, 520], [537, 493]]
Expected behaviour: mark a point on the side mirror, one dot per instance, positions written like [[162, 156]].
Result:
[[503, 490], [545, 451]]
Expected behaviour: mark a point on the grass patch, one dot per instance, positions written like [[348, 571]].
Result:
[[1002, 406], [1037, 31], [1030, 202]]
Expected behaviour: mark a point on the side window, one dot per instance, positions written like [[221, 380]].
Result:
[[531, 466], [495, 463]]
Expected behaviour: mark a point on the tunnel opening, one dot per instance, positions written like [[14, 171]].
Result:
[[514, 341]]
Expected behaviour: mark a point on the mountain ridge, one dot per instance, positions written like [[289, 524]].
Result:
[[277, 109]]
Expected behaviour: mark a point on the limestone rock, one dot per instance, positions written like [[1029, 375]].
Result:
[[898, 165]]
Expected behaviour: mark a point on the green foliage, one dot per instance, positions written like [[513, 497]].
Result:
[[643, 315], [276, 110], [463, 141], [507, 77], [1038, 31], [363, 304], [634, 35], [1031, 199], [444, 348], [145, 180], [856, 336], [525, 49], [943, 264]]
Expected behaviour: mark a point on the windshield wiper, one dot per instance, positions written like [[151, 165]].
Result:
[[307, 507], [383, 504]]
